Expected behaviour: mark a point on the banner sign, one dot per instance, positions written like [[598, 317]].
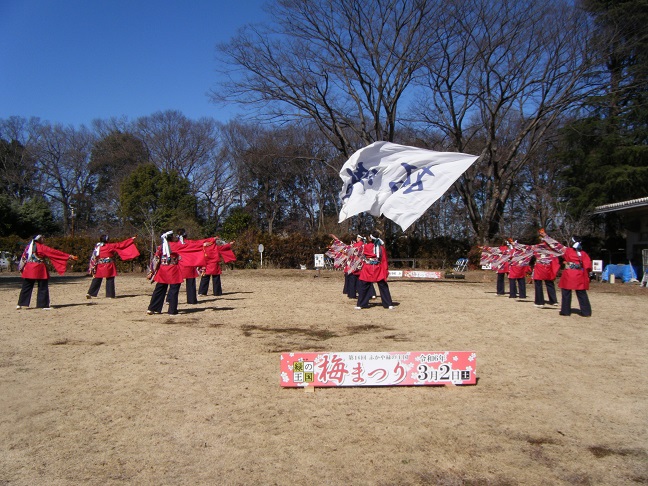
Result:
[[378, 369], [421, 274], [597, 266], [414, 274]]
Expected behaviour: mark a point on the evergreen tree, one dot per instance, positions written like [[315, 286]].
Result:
[[606, 152], [154, 200]]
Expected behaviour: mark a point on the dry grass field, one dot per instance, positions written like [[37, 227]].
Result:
[[96, 392]]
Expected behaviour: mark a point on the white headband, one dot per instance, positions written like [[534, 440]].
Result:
[[32, 245], [166, 251]]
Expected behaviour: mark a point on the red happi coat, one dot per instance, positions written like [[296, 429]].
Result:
[[213, 256], [546, 265], [520, 258], [35, 268], [190, 271], [377, 272], [125, 249], [191, 253], [578, 265], [573, 278]]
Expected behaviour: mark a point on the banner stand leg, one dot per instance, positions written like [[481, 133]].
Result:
[[309, 389]]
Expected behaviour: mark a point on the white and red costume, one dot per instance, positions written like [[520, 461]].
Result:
[[166, 271], [374, 270], [33, 270], [213, 270], [102, 264], [575, 275]]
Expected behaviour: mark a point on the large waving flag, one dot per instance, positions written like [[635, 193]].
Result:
[[398, 181]]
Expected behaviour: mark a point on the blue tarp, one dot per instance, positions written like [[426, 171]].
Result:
[[625, 272]]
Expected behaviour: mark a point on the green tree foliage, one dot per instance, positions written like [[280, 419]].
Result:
[[155, 200], [36, 217], [236, 223], [27, 219], [112, 159], [605, 153]]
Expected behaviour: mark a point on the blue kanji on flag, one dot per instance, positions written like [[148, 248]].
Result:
[[360, 174], [413, 186]]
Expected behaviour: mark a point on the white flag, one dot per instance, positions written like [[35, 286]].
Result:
[[398, 181]]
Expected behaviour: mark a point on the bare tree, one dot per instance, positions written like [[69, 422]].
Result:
[[18, 172], [216, 186], [342, 64], [501, 75], [63, 155], [177, 143]]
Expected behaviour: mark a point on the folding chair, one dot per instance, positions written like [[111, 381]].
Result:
[[460, 265]]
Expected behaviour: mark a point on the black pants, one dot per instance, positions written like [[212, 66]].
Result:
[[501, 277], [513, 290], [539, 294], [583, 302], [190, 283], [216, 285], [352, 286], [159, 293], [364, 293], [42, 297], [95, 285]]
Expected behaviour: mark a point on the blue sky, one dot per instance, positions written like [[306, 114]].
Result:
[[71, 61]]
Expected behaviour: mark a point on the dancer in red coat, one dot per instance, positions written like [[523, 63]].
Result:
[[166, 272], [349, 257], [498, 259], [33, 269], [575, 275], [213, 270], [102, 263], [545, 269], [190, 272], [520, 258], [374, 269]]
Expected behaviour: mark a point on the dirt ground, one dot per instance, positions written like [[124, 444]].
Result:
[[97, 392]]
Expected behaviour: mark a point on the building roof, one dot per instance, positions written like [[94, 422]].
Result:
[[622, 206]]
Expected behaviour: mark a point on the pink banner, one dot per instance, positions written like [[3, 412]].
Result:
[[421, 274], [378, 369]]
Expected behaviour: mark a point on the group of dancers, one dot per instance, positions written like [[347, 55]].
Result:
[[176, 259], [364, 263], [515, 259]]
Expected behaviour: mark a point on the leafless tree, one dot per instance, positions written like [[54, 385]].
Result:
[[17, 163], [341, 64], [177, 143], [216, 185], [500, 76], [63, 155]]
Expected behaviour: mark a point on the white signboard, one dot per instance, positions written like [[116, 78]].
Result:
[[319, 260], [395, 273], [597, 266]]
